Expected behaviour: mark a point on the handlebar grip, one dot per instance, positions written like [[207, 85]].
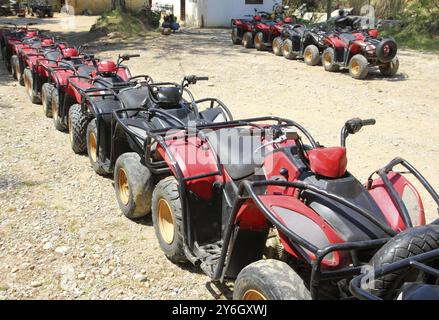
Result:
[[134, 55], [368, 122], [202, 78]]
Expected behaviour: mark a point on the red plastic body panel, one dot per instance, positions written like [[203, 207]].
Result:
[[386, 204], [294, 204], [328, 162]]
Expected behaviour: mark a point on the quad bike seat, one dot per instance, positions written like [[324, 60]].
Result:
[[167, 97], [348, 223], [347, 37], [85, 71], [235, 148], [133, 97]]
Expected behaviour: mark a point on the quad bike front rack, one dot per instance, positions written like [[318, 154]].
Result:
[[418, 262]]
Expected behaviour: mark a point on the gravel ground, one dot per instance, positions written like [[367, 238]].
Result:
[[61, 232]]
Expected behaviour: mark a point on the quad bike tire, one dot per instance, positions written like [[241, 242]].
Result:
[[328, 60], [167, 217], [408, 243], [57, 120], [235, 39], [247, 40], [358, 67], [46, 98], [15, 65], [133, 185], [277, 46], [390, 68], [386, 50], [50, 14], [29, 86], [92, 140], [259, 42], [78, 122], [287, 50], [311, 55], [269, 280]]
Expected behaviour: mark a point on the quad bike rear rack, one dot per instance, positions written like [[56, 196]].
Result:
[[418, 262]]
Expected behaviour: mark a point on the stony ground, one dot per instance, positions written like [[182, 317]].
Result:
[[61, 232]]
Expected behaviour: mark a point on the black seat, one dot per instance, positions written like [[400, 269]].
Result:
[[167, 97], [133, 97], [347, 37], [235, 148], [85, 71]]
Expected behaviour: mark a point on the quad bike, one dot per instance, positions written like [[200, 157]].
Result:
[[68, 76], [13, 36], [244, 30], [299, 41], [44, 67], [412, 289], [25, 53], [220, 192], [358, 51], [267, 34], [40, 9], [121, 141], [88, 91]]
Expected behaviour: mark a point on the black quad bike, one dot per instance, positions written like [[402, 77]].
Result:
[[248, 200], [40, 9], [299, 41], [120, 122]]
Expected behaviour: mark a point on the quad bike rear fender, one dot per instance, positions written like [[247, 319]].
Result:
[[398, 198]]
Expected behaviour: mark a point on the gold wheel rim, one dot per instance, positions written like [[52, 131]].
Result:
[[166, 221], [257, 40], [54, 110], [275, 46], [254, 294], [123, 186], [17, 72], [92, 146], [327, 59], [355, 67], [308, 55], [286, 49]]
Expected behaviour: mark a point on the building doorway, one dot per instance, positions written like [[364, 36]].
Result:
[[182, 10]]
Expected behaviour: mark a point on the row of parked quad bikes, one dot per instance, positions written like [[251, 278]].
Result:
[[337, 44], [285, 221]]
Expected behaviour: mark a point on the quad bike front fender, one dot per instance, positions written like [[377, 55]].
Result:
[[194, 161]]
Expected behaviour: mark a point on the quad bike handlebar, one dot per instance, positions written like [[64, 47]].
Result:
[[126, 57], [353, 126]]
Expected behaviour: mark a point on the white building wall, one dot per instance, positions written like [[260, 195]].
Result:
[[216, 13], [175, 3], [221, 12]]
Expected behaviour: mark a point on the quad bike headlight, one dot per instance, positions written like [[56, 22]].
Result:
[[411, 202]]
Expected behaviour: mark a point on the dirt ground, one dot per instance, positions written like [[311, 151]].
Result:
[[61, 232]]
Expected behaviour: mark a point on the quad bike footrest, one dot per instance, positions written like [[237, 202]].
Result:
[[209, 255]]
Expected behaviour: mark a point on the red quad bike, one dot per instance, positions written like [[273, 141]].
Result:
[[97, 89], [25, 53], [358, 51], [244, 30], [13, 36], [40, 66], [64, 94], [224, 192], [267, 32]]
